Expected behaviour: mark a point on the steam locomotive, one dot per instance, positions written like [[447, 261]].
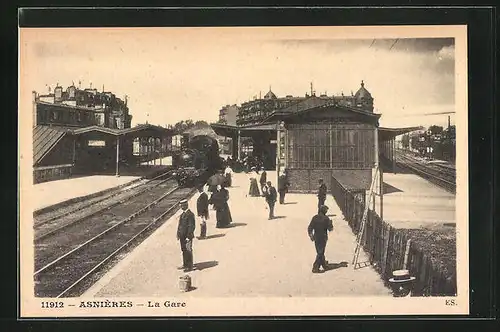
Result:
[[197, 159]]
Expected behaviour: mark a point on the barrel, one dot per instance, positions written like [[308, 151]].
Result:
[[184, 283]]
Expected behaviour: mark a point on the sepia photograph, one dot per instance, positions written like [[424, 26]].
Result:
[[243, 171]]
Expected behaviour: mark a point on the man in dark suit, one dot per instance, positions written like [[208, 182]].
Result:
[[202, 209], [263, 179], [271, 196], [321, 193], [283, 187], [185, 234], [318, 230]]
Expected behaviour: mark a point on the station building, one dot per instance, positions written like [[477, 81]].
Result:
[[85, 131], [314, 137]]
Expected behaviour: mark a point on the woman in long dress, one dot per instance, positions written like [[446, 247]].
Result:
[[219, 200], [253, 191], [228, 173]]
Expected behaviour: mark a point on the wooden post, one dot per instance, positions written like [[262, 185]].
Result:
[[74, 151], [117, 156], [407, 253], [278, 150], [161, 149], [154, 150], [394, 155], [331, 147], [376, 157], [239, 145], [381, 193]]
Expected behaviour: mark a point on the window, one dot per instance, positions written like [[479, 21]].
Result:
[[330, 146]]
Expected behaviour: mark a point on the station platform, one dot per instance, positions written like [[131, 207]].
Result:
[[166, 161], [53, 192], [413, 202], [255, 257]]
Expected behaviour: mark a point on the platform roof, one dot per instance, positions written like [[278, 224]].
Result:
[[44, 138], [245, 131], [386, 134], [137, 131], [297, 110]]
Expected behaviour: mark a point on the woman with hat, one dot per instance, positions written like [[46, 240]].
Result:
[[219, 200], [253, 191]]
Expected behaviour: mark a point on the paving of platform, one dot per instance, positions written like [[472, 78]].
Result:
[[53, 192], [256, 257], [166, 161], [412, 202]]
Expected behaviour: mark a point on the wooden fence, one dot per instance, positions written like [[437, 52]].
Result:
[[51, 173], [390, 248]]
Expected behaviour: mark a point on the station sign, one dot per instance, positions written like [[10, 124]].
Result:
[[96, 143]]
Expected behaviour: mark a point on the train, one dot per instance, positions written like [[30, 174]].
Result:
[[197, 159]]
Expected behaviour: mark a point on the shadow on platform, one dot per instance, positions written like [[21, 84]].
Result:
[[388, 189], [334, 266], [236, 224], [205, 265], [289, 203], [278, 217], [213, 236]]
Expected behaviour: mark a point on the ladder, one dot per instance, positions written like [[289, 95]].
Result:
[[359, 238]]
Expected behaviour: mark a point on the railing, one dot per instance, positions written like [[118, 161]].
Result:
[[51, 173], [389, 248]]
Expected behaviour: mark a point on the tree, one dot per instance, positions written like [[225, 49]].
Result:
[[222, 121], [405, 141], [201, 124], [435, 129]]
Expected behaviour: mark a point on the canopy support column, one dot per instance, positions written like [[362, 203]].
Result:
[[117, 156], [239, 145], [394, 155]]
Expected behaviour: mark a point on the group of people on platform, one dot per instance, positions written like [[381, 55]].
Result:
[[187, 221], [267, 190], [317, 229]]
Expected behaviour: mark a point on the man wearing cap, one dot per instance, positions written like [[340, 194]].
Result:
[[271, 196], [185, 234], [262, 180], [202, 209], [283, 186], [318, 230], [321, 193]]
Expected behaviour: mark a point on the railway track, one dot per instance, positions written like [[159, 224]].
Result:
[[442, 175], [70, 271], [52, 222]]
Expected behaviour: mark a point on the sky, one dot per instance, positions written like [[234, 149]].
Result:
[[173, 74]]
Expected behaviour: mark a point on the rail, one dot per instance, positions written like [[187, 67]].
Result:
[[440, 175], [389, 248], [146, 186], [69, 273]]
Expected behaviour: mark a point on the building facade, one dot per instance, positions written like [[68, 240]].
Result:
[[314, 137], [228, 114], [81, 108], [85, 131], [255, 111]]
